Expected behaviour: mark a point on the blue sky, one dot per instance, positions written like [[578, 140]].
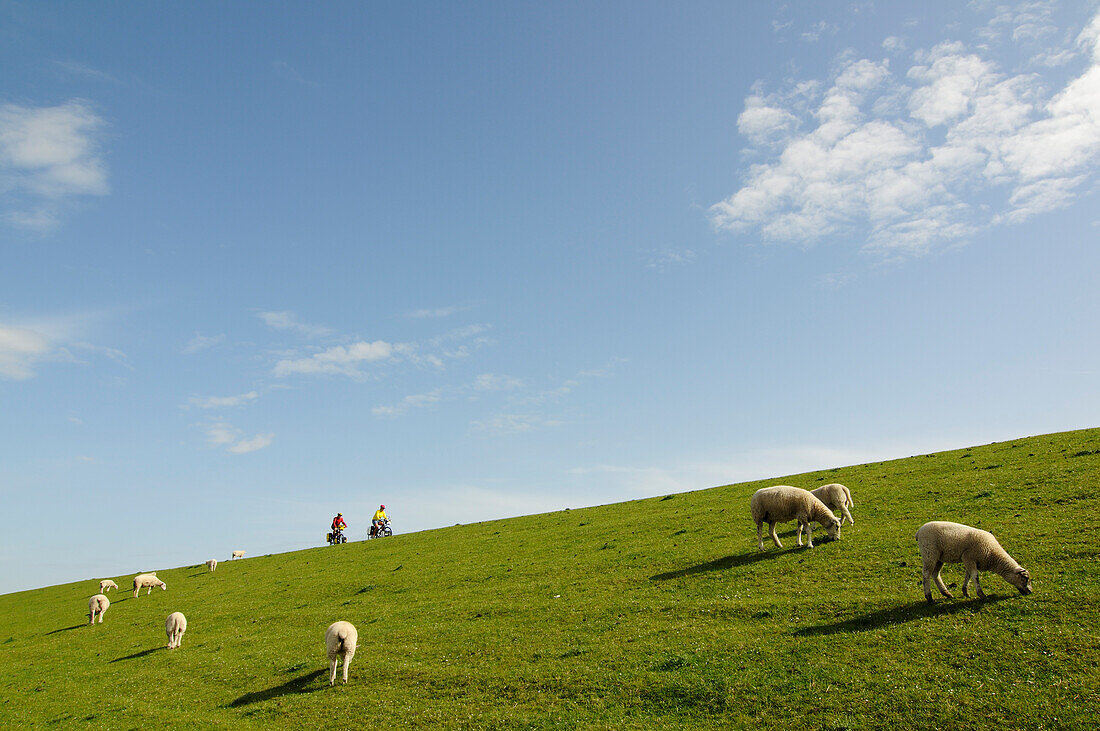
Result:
[[260, 264]]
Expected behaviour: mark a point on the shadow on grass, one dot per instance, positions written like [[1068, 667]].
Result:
[[294, 685], [721, 564], [66, 629], [898, 615], [136, 655]]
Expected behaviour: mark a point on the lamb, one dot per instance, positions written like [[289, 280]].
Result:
[[837, 497], [942, 542], [147, 580], [175, 626], [212, 564], [97, 605], [340, 639], [782, 503], [106, 585], [237, 554]]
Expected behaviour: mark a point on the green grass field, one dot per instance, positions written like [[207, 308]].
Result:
[[657, 613]]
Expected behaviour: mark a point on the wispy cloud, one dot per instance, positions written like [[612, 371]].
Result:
[[436, 312], [218, 402], [202, 342], [285, 320], [931, 156], [220, 434], [339, 359], [257, 442], [48, 157], [26, 344], [504, 424], [20, 351]]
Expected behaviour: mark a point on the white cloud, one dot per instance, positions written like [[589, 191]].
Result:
[[415, 401], [20, 350], [493, 382], [504, 424], [202, 342], [216, 402], [907, 163], [436, 312], [222, 434], [251, 445], [339, 359], [284, 320], [48, 155]]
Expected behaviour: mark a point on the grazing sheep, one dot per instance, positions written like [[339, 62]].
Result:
[[106, 585], [212, 564], [941, 542], [237, 554], [175, 626], [340, 639], [97, 605], [782, 503], [147, 580], [836, 497]]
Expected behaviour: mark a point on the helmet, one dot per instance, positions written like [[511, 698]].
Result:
[[339, 514], [382, 507]]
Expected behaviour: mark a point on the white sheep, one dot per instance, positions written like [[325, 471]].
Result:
[[212, 564], [782, 503], [340, 640], [941, 542], [836, 497], [147, 580], [97, 605], [106, 585], [237, 554], [175, 626]]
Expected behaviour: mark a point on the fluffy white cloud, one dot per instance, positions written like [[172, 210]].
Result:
[[903, 162], [48, 155]]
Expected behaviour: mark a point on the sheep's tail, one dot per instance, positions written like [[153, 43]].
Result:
[[848, 494]]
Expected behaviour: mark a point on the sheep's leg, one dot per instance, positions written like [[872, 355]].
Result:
[[347, 661], [332, 675], [799, 533], [809, 535], [179, 639], [978, 584], [760, 535], [927, 577], [939, 580], [775, 538], [847, 515]]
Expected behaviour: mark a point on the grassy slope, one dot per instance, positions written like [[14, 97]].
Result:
[[657, 612]]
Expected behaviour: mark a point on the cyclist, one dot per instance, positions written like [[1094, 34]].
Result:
[[378, 520], [338, 526]]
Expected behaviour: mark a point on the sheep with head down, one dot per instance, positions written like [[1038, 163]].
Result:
[[237, 554], [977, 550], [340, 641], [836, 497], [106, 585], [783, 503], [174, 627], [142, 581], [212, 564], [97, 605]]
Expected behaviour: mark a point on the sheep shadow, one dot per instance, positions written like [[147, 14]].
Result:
[[66, 629], [722, 564], [136, 655], [300, 684], [898, 615]]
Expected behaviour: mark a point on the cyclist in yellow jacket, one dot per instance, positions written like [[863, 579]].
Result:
[[379, 518]]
